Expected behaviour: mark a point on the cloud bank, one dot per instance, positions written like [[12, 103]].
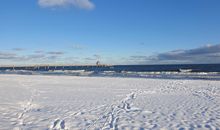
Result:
[[83, 4], [16, 58], [6, 55], [201, 55], [204, 54]]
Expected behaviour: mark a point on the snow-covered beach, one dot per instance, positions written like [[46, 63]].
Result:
[[71, 103]]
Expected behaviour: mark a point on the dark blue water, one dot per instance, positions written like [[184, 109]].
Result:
[[192, 71], [133, 68]]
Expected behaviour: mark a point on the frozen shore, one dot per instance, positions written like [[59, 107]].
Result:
[[71, 103]]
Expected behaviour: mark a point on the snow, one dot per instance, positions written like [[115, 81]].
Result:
[[71, 103]]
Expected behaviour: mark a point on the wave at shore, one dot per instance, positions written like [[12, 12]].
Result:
[[156, 74]]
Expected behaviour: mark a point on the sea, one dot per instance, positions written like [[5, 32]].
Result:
[[178, 71]]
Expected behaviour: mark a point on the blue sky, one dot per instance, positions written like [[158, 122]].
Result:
[[112, 31]]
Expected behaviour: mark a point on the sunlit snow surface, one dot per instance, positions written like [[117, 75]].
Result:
[[71, 103]]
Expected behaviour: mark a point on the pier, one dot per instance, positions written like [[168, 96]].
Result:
[[47, 67]]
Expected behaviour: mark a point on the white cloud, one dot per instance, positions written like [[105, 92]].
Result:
[[83, 4]]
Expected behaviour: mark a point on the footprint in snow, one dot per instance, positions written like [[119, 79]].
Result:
[[58, 125]]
